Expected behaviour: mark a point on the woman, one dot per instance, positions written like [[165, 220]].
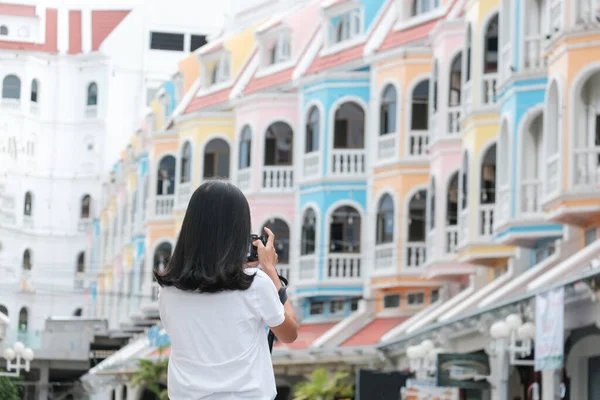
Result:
[[216, 308]]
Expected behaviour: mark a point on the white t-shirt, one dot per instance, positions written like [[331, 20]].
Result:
[[219, 348]]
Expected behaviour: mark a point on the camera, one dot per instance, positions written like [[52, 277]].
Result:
[[253, 250]]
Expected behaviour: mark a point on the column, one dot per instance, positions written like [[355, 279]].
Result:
[[42, 386], [499, 370], [551, 384]]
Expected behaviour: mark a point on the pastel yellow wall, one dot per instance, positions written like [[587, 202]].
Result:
[[240, 47], [190, 68]]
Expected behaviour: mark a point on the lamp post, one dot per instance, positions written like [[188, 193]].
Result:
[[515, 337], [423, 359], [22, 357]]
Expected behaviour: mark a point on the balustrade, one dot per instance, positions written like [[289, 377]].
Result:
[[308, 267], [587, 168], [488, 94], [348, 162], [533, 52], [415, 254], [343, 267], [386, 147], [311, 165], [244, 178], [451, 236], [384, 256], [164, 205], [184, 192], [531, 197], [277, 178], [453, 120], [418, 142], [486, 215]]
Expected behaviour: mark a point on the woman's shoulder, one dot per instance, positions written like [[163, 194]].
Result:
[[260, 277]]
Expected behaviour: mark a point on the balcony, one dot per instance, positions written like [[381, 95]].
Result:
[[343, 267], [347, 162], [164, 205], [385, 259], [488, 89], [386, 147], [308, 267], [531, 198], [505, 61], [486, 220], [310, 168], [184, 192], [11, 104], [277, 178], [586, 168], [34, 108], [83, 225], [453, 120], [418, 142], [90, 112], [533, 52], [451, 239], [587, 12], [244, 178], [415, 254], [27, 222]]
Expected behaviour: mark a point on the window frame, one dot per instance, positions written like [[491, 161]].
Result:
[[172, 34], [420, 294], [387, 296]]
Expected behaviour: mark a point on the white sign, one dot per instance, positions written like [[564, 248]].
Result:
[[549, 332], [417, 392]]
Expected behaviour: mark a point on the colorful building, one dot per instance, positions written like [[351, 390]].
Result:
[[428, 167]]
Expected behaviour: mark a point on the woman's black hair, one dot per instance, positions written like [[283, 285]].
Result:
[[213, 243]]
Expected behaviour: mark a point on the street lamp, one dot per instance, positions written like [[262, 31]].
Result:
[[423, 358], [519, 336], [19, 353]]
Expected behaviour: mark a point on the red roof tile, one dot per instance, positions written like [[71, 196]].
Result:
[[50, 46], [401, 37], [373, 331], [206, 101], [333, 60], [264, 82], [75, 32], [17, 10], [307, 334], [103, 23]]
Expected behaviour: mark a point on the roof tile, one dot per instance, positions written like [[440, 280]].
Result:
[[373, 331]]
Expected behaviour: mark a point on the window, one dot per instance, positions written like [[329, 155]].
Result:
[[220, 71], [391, 301], [468, 53], [197, 41], [245, 148], [488, 176], [279, 144], [419, 118], [435, 87], [166, 41], [590, 236], [544, 251], [455, 81], [28, 207], [415, 299], [385, 220], [282, 233], [416, 217], [464, 182], [490, 56], [279, 50], [186, 163], [86, 203], [3, 30], [34, 91], [27, 263], [418, 7], [78, 312], [337, 306], [3, 310], [316, 308], [166, 176], [216, 159], [452, 201], [312, 130], [81, 262], [387, 113], [354, 303], [309, 221], [344, 230], [92, 94], [347, 26], [435, 295], [11, 87], [23, 320], [349, 128]]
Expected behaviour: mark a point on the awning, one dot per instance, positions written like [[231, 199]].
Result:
[[371, 333]]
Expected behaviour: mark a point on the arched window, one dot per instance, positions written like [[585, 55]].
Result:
[[245, 148], [385, 220], [78, 312], [416, 217], [503, 154], [313, 126], [452, 201], [216, 159], [414, 8], [81, 262], [4, 310], [3, 30], [186, 163], [344, 230], [11, 87], [35, 89], [455, 81], [464, 182], [23, 320], [282, 233], [162, 255], [308, 235], [166, 176], [431, 200], [387, 112], [279, 141], [468, 53], [86, 206], [92, 94], [124, 392], [349, 128], [488, 176], [27, 262], [490, 55], [28, 207], [420, 107], [434, 91]]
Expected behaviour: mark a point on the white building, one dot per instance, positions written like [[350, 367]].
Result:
[[75, 80]]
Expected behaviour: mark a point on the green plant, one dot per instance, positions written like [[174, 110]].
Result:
[[152, 375], [321, 386], [9, 389]]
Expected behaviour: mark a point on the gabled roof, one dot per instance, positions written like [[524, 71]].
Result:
[[18, 10]]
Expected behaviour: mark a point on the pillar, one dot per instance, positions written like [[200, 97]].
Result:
[[499, 375], [551, 384], [42, 388]]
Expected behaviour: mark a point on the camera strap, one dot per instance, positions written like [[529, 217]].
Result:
[[283, 298]]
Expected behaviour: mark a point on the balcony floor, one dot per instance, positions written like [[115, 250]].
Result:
[[526, 232], [485, 253], [579, 209]]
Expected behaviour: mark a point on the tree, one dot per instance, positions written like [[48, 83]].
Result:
[[321, 386], [9, 389], [152, 375]]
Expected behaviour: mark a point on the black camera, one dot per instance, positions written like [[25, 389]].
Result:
[[253, 250]]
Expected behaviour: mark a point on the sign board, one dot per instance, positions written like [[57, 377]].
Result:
[[463, 370], [417, 392], [378, 385], [549, 329]]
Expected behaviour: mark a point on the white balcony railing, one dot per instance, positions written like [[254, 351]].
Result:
[[311, 165], [533, 52], [433, 126], [552, 176], [505, 61], [11, 104], [453, 120], [34, 108], [184, 192], [587, 168], [386, 147], [91, 112], [451, 239], [531, 197], [84, 224], [587, 12], [431, 242], [556, 15], [244, 178], [486, 220], [384, 256], [308, 267], [488, 89], [503, 204], [415, 254], [27, 222], [467, 96], [347, 162], [277, 179], [417, 143], [164, 205], [463, 226], [343, 267]]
